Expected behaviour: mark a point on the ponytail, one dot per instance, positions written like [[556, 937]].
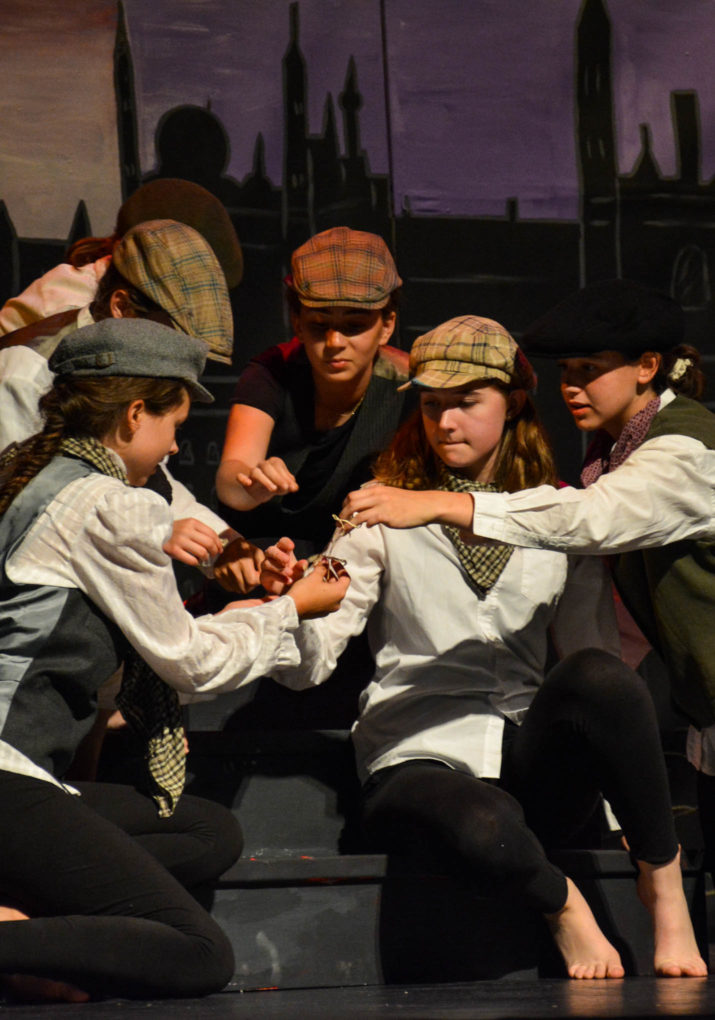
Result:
[[680, 371]]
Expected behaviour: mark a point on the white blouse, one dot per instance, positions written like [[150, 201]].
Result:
[[449, 666]]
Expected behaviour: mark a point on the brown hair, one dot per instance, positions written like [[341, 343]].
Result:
[[140, 306], [524, 459], [89, 249], [82, 408]]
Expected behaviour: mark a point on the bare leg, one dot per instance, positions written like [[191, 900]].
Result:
[[586, 951], [660, 887], [34, 989]]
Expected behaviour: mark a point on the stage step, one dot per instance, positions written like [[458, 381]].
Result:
[[304, 908]]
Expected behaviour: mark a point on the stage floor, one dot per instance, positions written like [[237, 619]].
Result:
[[485, 1000]]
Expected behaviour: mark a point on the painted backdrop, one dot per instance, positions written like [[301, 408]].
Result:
[[509, 151]]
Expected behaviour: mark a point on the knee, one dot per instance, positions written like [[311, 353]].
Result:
[[597, 678], [214, 966]]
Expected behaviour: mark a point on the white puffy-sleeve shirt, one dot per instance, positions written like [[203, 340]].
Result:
[[449, 666], [105, 538], [664, 492]]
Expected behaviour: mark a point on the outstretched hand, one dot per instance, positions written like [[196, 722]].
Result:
[[193, 542], [319, 592], [280, 568], [406, 508], [238, 568], [268, 478]]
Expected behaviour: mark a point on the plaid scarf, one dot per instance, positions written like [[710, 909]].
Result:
[[482, 562], [604, 455], [149, 705]]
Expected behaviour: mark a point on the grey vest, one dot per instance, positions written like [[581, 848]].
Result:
[[56, 647], [670, 591]]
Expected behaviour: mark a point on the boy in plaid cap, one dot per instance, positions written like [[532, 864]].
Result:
[[309, 415], [165, 271], [73, 283]]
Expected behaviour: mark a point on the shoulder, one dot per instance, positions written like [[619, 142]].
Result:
[[392, 364], [685, 417]]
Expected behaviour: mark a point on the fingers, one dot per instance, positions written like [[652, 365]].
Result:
[[272, 476], [192, 542]]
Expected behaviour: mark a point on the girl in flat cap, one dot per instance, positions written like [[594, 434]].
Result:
[[649, 488], [93, 878], [463, 746], [308, 416]]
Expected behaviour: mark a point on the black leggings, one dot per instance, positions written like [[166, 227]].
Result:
[[591, 728], [106, 914]]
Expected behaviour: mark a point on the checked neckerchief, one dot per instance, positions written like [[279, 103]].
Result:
[[482, 562], [149, 705]]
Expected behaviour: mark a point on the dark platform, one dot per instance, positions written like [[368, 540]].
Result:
[[644, 998]]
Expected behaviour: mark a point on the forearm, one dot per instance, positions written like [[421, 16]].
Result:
[[229, 489]]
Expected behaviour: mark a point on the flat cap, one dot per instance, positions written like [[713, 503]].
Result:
[[612, 315], [467, 349], [133, 347], [350, 268], [170, 198], [172, 264]]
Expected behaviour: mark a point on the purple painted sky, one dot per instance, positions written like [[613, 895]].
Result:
[[481, 92]]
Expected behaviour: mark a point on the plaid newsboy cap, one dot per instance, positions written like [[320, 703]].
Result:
[[172, 264], [467, 349], [351, 268], [133, 347], [169, 198]]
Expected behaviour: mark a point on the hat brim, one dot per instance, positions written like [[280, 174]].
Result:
[[433, 379], [198, 393]]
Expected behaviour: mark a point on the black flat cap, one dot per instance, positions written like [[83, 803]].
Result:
[[612, 315]]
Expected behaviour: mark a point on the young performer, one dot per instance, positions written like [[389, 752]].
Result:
[[93, 884], [649, 494], [308, 416], [463, 746]]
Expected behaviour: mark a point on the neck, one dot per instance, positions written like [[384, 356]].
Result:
[[642, 400], [336, 405]]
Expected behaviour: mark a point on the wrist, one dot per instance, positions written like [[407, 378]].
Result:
[[456, 508]]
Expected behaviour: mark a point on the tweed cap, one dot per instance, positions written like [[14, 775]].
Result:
[[464, 350], [350, 268], [173, 265], [133, 347], [613, 315], [169, 198]]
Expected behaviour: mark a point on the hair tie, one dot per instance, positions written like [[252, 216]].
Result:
[[679, 369]]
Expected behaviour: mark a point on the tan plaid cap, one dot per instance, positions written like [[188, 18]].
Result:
[[172, 264], [464, 350], [351, 268], [169, 198]]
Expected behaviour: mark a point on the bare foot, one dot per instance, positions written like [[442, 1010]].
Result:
[[27, 988], [660, 887], [586, 951], [11, 914]]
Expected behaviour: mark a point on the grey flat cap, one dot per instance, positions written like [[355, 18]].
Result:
[[133, 347]]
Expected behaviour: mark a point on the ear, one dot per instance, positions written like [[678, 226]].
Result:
[[648, 365], [388, 327], [134, 415], [515, 404], [120, 305]]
